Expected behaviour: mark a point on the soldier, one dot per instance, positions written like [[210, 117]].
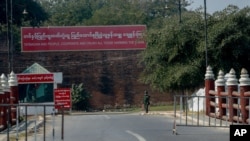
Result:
[[146, 101]]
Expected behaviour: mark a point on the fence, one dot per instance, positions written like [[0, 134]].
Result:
[[23, 122], [225, 102], [193, 115], [228, 98], [10, 111], [9, 96]]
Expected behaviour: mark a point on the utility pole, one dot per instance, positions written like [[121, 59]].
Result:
[[9, 20], [11, 36], [179, 11], [8, 32], [205, 17]]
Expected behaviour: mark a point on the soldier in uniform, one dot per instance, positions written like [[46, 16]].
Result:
[[146, 101]]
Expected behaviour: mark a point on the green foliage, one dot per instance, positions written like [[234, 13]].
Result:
[[175, 55], [117, 12], [174, 58], [80, 97], [69, 12], [172, 61], [229, 39], [35, 13], [109, 12], [35, 16]]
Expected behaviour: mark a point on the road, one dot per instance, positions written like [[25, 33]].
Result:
[[128, 127]]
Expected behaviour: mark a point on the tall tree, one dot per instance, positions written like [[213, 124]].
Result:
[[174, 58], [116, 12], [71, 12], [159, 10], [12, 17], [229, 39], [172, 61], [35, 13]]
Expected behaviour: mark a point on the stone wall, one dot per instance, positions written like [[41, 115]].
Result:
[[110, 76]]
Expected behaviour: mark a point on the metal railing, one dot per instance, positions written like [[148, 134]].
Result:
[[192, 111], [13, 125]]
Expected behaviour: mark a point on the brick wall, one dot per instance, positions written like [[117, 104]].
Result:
[[110, 76]]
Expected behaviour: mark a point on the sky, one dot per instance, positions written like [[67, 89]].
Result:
[[217, 5]]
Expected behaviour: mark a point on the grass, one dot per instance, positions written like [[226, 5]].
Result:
[[166, 107], [155, 107], [162, 108]]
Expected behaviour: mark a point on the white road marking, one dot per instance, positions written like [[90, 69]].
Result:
[[139, 137]]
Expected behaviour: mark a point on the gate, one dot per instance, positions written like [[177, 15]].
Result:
[[226, 101], [17, 122], [191, 111]]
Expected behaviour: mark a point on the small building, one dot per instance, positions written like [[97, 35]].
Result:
[[36, 86], [197, 101]]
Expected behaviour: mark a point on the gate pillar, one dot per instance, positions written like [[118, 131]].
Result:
[[14, 97], [209, 85], [2, 108], [244, 87], [232, 85], [220, 83], [6, 90]]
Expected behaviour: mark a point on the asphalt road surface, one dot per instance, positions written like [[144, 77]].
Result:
[[126, 127]]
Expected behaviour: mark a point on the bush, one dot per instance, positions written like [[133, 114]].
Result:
[[80, 97]]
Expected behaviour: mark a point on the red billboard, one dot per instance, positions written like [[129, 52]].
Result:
[[62, 96], [83, 38], [35, 78]]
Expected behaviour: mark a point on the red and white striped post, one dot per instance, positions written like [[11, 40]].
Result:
[[220, 84], [2, 108], [6, 90], [6, 99], [244, 87], [209, 85], [232, 85], [14, 96]]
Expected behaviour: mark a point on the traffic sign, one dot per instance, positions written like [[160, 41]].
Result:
[[62, 96]]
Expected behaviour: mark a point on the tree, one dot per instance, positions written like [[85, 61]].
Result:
[[80, 97], [229, 39], [35, 13], [34, 16], [70, 12], [158, 10], [172, 59], [118, 12]]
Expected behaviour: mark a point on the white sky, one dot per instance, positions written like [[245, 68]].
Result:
[[218, 5]]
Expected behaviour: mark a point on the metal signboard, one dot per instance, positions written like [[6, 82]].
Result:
[[35, 78], [62, 96]]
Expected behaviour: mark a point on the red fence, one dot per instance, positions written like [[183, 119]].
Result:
[[8, 97], [227, 97]]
